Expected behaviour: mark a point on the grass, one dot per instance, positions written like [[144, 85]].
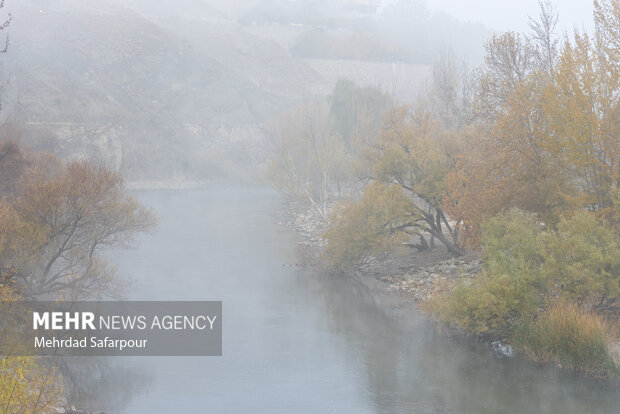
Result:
[[570, 337]]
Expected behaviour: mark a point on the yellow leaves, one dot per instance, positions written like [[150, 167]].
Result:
[[508, 61], [370, 225], [394, 162], [581, 110], [607, 21], [19, 240], [553, 145], [415, 152], [28, 386]]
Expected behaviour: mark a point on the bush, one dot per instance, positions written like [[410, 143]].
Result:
[[508, 289], [510, 244], [568, 336], [582, 262], [525, 266], [489, 305]]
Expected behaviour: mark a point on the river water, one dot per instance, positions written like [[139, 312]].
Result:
[[298, 342]]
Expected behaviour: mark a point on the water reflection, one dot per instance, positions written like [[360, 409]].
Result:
[[411, 367], [300, 342], [101, 383]]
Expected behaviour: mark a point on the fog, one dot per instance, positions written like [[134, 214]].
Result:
[[503, 16], [297, 340], [248, 127], [191, 84]]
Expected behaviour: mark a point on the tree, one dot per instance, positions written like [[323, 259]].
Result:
[[546, 144], [316, 144], [508, 287], [505, 165], [415, 153], [543, 36], [582, 263], [59, 222], [583, 112], [528, 267], [406, 166], [310, 162], [507, 62], [378, 222], [28, 387], [4, 26], [12, 165], [356, 112], [449, 96]]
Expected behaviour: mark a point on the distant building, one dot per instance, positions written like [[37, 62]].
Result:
[[362, 6]]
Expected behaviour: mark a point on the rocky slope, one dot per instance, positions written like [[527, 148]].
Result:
[[180, 100], [176, 91]]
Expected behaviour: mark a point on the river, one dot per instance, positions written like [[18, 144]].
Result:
[[298, 342]]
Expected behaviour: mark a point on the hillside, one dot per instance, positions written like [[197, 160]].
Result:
[[180, 91], [106, 83]]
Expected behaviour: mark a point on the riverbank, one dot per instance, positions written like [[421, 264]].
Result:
[[412, 276]]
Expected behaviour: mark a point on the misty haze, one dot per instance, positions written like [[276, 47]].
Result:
[[404, 206]]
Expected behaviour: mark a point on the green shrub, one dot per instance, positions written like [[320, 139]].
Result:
[[489, 305], [510, 244], [509, 287], [582, 262], [526, 266], [569, 336]]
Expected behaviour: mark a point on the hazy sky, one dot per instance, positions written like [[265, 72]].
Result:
[[502, 15]]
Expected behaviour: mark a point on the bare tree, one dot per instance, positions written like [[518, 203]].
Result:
[[4, 26], [309, 160], [448, 97], [508, 61], [543, 36]]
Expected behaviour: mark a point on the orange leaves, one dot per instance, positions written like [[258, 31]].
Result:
[[581, 108], [553, 143]]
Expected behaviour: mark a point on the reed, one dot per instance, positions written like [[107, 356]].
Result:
[[570, 337]]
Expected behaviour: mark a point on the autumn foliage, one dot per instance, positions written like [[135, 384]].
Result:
[[536, 192], [56, 220], [547, 137], [27, 384], [517, 161]]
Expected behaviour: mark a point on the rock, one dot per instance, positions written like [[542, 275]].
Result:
[[419, 283], [502, 349]]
